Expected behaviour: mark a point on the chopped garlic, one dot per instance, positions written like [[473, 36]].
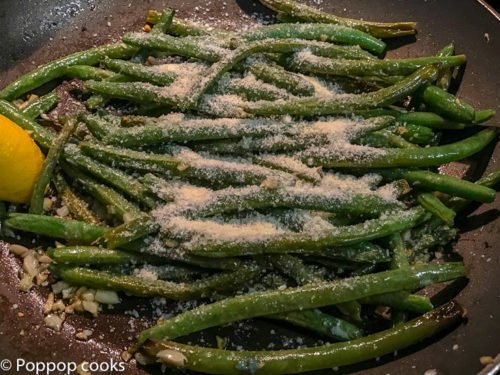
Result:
[[59, 306], [172, 357], [59, 286], [125, 356], [54, 322], [107, 296], [87, 296], [44, 259], [142, 359], [91, 306], [47, 204], [84, 335], [486, 360], [62, 211], [80, 368], [47, 307], [68, 292], [30, 265], [26, 283], [18, 250]]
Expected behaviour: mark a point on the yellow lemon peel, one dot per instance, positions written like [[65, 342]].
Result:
[[20, 162]]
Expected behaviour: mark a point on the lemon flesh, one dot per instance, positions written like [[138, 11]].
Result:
[[20, 162]]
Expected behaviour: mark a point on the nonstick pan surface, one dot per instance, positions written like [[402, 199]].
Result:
[[33, 32]]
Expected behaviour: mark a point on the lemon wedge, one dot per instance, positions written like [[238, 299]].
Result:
[[20, 162]]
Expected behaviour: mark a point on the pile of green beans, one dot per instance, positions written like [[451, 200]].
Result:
[[277, 173]]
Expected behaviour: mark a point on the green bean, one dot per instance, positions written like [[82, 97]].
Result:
[[78, 208], [196, 47], [160, 246], [442, 183], [278, 76], [42, 105], [214, 172], [98, 126], [98, 101], [376, 112], [186, 28], [90, 255], [232, 59], [164, 21], [183, 257], [309, 63], [364, 252], [418, 134], [289, 165], [376, 81], [429, 235], [446, 75], [324, 324], [317, 32], [288, 242], [428, 119], [399, 258], [137, 228], [312, 319], [446, 104], [234, 200], [175, 272], [141, 72], [252, 92], [56, 68], [49, 165], [384, 138], [402, 301], [491, 180], [41, 135], [259, 145], [336, 34], [432, 204], [309, 14], [111, 176], [218, 361], [483, 115], [86, 72], [180, 131], [396, 140], [115, 203], [146, 288], [287, 143], [274, 301], [294, 267], [189, 46], [351, 309], [139, 92], [345, 103], [158, 186], [147, 93], [71, 230], [182, 27], [126, 158], [333, 51], [364, 269], [408, 157]]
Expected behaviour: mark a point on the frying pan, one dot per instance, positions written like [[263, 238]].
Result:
[[36, 31]]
